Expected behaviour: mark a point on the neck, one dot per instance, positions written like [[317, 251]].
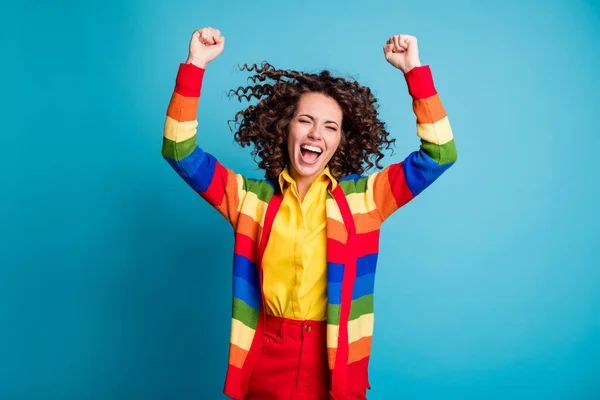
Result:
[[302, 182]]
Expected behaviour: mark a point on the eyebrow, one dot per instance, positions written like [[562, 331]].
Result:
[[311, 117]]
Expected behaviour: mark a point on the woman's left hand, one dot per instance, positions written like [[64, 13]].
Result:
[[402, 51]]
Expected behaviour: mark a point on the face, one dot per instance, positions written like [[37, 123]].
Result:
[[314, 135]]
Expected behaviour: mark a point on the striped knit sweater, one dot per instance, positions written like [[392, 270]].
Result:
[[355, 211]]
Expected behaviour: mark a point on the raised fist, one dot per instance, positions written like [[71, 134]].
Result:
[[206, 44], [402, 52]]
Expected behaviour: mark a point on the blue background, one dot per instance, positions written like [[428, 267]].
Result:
[[115, 278]]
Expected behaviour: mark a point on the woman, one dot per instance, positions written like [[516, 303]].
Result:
[[307, 235]]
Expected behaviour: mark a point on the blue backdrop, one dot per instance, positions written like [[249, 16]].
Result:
[[115, 278]]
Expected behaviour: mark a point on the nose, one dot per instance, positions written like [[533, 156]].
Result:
[[315, 133]]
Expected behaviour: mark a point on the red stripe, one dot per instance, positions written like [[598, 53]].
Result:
[[216, 190], [189, 80], [368, 243], [233, 380], [336, 251], [420, 82], [358, 375], [400, 190], [244, 246], [339, 378], [272, 209]]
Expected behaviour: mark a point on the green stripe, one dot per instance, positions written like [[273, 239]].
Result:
[[444, 154], [359, 307], [333, 314], [262, 189], [178, 151], [351, 186], [245, 314]]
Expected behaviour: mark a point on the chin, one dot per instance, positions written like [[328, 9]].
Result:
[[307, 171]]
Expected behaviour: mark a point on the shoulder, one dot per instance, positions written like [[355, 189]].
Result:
[[357, 183], [263, 189]]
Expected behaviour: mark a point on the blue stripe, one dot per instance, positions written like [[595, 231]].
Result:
[[334, 292], [365, 276], [352, 177], [245, 269], [335, 272], [198, 169], [366, 264], [363, 286], [244, 291], [420, 171]]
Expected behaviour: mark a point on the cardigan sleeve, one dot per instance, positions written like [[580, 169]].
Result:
[[399, 183], [218, 185]]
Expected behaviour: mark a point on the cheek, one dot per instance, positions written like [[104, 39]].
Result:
[[291, 139], [333, 143], [293, 134]]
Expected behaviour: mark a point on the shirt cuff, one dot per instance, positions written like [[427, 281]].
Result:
[[420, 82], [189, 80]]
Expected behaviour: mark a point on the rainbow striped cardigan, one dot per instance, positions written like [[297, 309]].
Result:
[[355, 211]]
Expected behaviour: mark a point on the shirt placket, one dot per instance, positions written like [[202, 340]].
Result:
[[298, 257]]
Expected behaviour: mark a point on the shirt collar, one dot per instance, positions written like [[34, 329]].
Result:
[[286, 179]]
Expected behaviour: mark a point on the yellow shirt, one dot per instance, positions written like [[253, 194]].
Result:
[[295, 260]]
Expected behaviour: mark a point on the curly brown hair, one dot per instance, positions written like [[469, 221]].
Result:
[[363, 135]]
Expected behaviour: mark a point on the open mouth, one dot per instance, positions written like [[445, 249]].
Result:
[[310, 154]]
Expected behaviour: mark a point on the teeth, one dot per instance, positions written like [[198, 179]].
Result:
[[311, 148]]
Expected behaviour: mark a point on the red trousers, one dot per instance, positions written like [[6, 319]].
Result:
[[293, 363]]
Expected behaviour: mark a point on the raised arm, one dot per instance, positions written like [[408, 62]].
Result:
[[399, 183], [220, 186]]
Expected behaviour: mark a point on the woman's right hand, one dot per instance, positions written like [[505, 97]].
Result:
[[206, 44]]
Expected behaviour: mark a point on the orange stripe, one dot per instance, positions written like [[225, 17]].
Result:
[[183, 108], [357, 351], [331, 357], [230, 200], [336, 230], [237, 355], [368, 222], [429, 110], [382, 193], [247, 226], [360, 349]]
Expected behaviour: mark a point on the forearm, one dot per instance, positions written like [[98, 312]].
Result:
[[433, 125], [200, 170], [399, 183], [180, 128]]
